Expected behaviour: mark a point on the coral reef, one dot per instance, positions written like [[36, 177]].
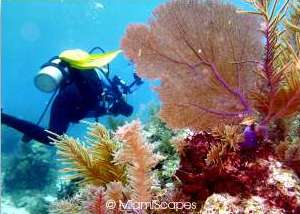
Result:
[[34, 164], [219, 80], [162, 138], [29, 178], [237, 174], [223, 67], [235, 93]]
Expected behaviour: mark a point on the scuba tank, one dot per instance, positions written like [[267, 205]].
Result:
[[50, 76]]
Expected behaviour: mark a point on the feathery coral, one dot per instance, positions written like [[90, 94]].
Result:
[[114, 191], [95, 203], [230, 135], [214, 156], [202, 81], [140, 158], [91, 165], [278, 93], [227, 138], [179, 143]]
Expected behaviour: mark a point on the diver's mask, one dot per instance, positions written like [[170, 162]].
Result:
[[51, 75]]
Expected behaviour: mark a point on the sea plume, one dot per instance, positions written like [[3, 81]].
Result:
[[204, 53], [91, 164], [278, 92], [140, 159]]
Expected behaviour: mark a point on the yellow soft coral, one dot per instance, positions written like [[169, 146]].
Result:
[[91, 164]]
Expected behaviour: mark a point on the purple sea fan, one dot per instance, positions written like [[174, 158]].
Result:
[[202, 51]]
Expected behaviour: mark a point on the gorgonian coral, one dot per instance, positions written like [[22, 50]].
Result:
[[204, 53], [91, 163], [278, 92], [140, 159]]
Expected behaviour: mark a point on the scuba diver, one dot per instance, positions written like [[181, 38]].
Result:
[[84, 90]]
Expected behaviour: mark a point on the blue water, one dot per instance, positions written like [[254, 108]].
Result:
[[34, 31]]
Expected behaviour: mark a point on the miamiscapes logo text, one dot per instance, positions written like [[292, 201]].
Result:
[[152, 205]]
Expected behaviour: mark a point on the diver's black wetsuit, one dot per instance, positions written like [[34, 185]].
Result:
[[76, 100]]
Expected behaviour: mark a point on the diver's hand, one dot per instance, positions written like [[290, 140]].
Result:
[[121, 107]]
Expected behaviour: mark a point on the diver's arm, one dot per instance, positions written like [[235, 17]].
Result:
[[31, 130]]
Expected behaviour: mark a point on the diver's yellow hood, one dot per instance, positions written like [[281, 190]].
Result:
[[83, 60]]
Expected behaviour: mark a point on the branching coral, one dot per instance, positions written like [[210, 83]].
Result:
[[205, 67], [140, 160], [93, 164]]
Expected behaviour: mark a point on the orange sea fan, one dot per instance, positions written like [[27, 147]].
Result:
[[204, 53]]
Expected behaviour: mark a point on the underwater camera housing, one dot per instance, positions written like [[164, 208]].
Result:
[[51, 75], [114, 93]]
